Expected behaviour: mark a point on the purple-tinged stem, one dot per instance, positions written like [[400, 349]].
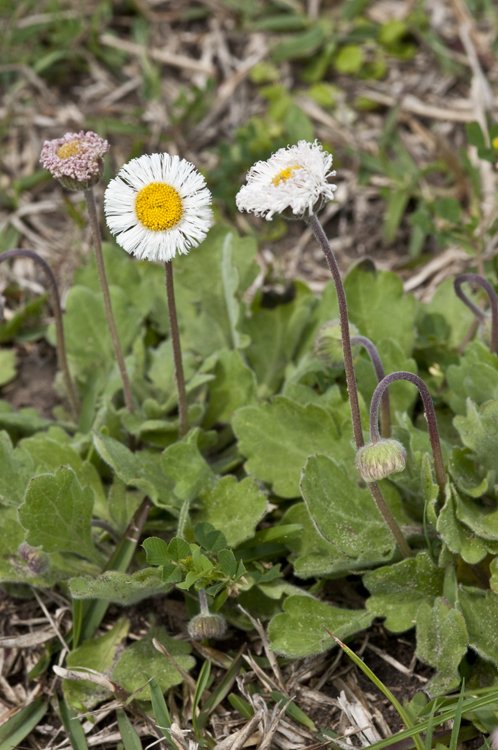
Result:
[[385, 409], [59, 328], [386, 514], [474, 278], [430, 416], [177, 351], [99, 257], [320, 235]]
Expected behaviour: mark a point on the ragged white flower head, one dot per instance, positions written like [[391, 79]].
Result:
[[294, 181], [158, 205]]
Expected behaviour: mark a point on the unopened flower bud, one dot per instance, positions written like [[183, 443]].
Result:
[[328, 343], [207, 626], [35, 558], [376, 461], [76, 159]]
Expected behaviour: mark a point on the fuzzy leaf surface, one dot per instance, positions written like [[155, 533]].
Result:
[[233, 507]]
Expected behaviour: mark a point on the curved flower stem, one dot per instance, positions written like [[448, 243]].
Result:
[[177, 351], [59, 328], [385, 409], [474, 278], [99, 257], [430, 416], [317, 230], [388, 517]]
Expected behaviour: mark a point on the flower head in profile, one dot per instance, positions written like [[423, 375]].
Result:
[[294, 181], [158, 205], [76, 159]]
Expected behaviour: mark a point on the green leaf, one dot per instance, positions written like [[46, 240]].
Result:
[[457, 316], [277, 439], [16, 469], [448, 209], [17, 728], [275, 335], [298, 124], [137, 469], [157, 551], [178, 549], [397, 201], [480, 609], [183, 463], [399, 590], [466, 476], [131, 740], [476, 377], [209, 538], [441, 642], [300, 45], [345, 515], [234, 386], [479, 432], [100, 654], [7, 366], [57, 513], [141, 658], [72, 726], [379, 308], [235, 507], [87, 337], [457, 536], [349, 59], [475, 135], [120, 588], [227, 562], [300, 630]]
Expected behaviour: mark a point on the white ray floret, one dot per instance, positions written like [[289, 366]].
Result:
[[294, 178], [158, 205]]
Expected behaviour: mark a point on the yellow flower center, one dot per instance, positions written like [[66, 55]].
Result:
[[67, 150], [284, 175], [158, 207]]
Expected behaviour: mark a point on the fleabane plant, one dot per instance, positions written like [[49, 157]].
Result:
[[293, 182], [156, 207], [76, 159]]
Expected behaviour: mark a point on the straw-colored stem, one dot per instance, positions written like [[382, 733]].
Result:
[[59, 328], [177, 351], [99, 257]]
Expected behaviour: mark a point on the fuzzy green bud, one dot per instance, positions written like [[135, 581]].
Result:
[[328, 343], [35, 558], [376, 461], [207, 626]]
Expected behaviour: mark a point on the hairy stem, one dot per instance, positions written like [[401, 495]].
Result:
[[474, 278], [385, 409], [99, 257], [317, 230], [430, 416], [203, 602], [59, 328], [177, 351]]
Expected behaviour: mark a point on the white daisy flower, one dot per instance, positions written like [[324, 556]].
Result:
[[294, 178], [158, 205]]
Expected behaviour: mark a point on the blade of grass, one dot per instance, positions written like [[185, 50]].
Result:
[[72, 726], [161, 713], [293, 711], [201, 685], [131, 740], [457, 720], [241, 705], [221, 691], [13, 732], [371, 676], [430, 727]]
